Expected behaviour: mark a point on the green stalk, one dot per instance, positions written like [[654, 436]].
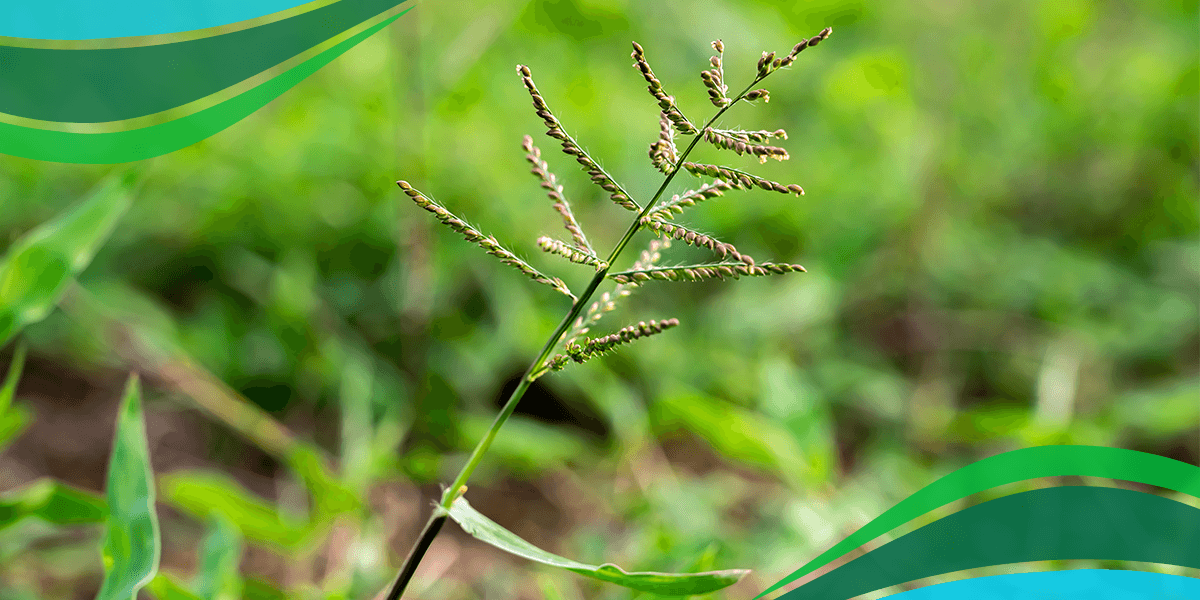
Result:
[[450, 494]]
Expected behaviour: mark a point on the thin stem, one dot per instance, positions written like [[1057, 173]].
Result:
[[450, 494]]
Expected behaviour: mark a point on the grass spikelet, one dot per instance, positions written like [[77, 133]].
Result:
[[732, 270], [665, 102], [741, 179], [570, 147], [590, 348], [571, 253], [555, 192], [487, 242]]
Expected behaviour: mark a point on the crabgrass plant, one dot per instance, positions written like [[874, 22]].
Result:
[[571, 335]]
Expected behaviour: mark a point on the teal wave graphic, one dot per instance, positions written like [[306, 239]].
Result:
[[114, 84], [1062, 523], [156, 140], [1078, 584], [1010, 467], [89, 19]]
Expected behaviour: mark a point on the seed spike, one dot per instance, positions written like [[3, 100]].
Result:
[[487, 242]]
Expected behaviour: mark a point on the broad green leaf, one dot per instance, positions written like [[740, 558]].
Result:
[[203, 493], [131, 546], [165, 587], [13, 419], [666, 584], [220, 554], [37, 268], [53, 502]]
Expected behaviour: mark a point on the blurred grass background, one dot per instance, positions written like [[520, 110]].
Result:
[[1000, 229]]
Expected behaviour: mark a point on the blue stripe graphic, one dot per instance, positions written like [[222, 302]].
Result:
[[1081, 584], [94, 19]]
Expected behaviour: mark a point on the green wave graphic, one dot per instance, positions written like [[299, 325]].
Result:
[[1010, 467], [156, 140], [114, 84], [1061, 523]]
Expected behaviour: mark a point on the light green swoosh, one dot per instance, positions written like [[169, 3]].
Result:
[[156, 140], [1010, 467]]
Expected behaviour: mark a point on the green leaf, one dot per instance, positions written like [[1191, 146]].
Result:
[[13, 419], [53, 502], [37, 268], [131, 546], [220, 554], [330, 496], [202, 493], [257, 589], [666, 584], [165, 587]]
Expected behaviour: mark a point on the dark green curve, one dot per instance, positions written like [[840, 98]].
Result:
[[1060, 523], [114, 84], [1017, 465], [148, 142]]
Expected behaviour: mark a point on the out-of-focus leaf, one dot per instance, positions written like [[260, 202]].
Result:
[[165, 587], [737, 434], [37, 268], [201, 493], [257, 589], [53, 502], [330, 496], [13, 419], [666, 584], [527, 445], [220, 554], [131, 546]]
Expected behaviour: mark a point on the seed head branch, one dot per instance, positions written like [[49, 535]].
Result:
[[555, 130], [714, 79], [487, 242], [741, 179], [590, 348], [665, 102], [727, 141], [571, 253], [555, 192], [732, 270], [695, 238], [663, 153], [676, 204]]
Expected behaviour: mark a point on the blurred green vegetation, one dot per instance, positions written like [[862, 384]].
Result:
[[1000, 229]]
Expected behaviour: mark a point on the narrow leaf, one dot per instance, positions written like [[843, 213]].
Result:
[[220, 554], [132, 545], [13, 419], [37, 268], [53, 502], [666, 584], [201, 493]]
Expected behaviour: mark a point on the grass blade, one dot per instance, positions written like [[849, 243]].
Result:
[[131, 546], [54, 502], [201, 493], [13, 419], [37, 268], [220, 554], [666, 584]]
